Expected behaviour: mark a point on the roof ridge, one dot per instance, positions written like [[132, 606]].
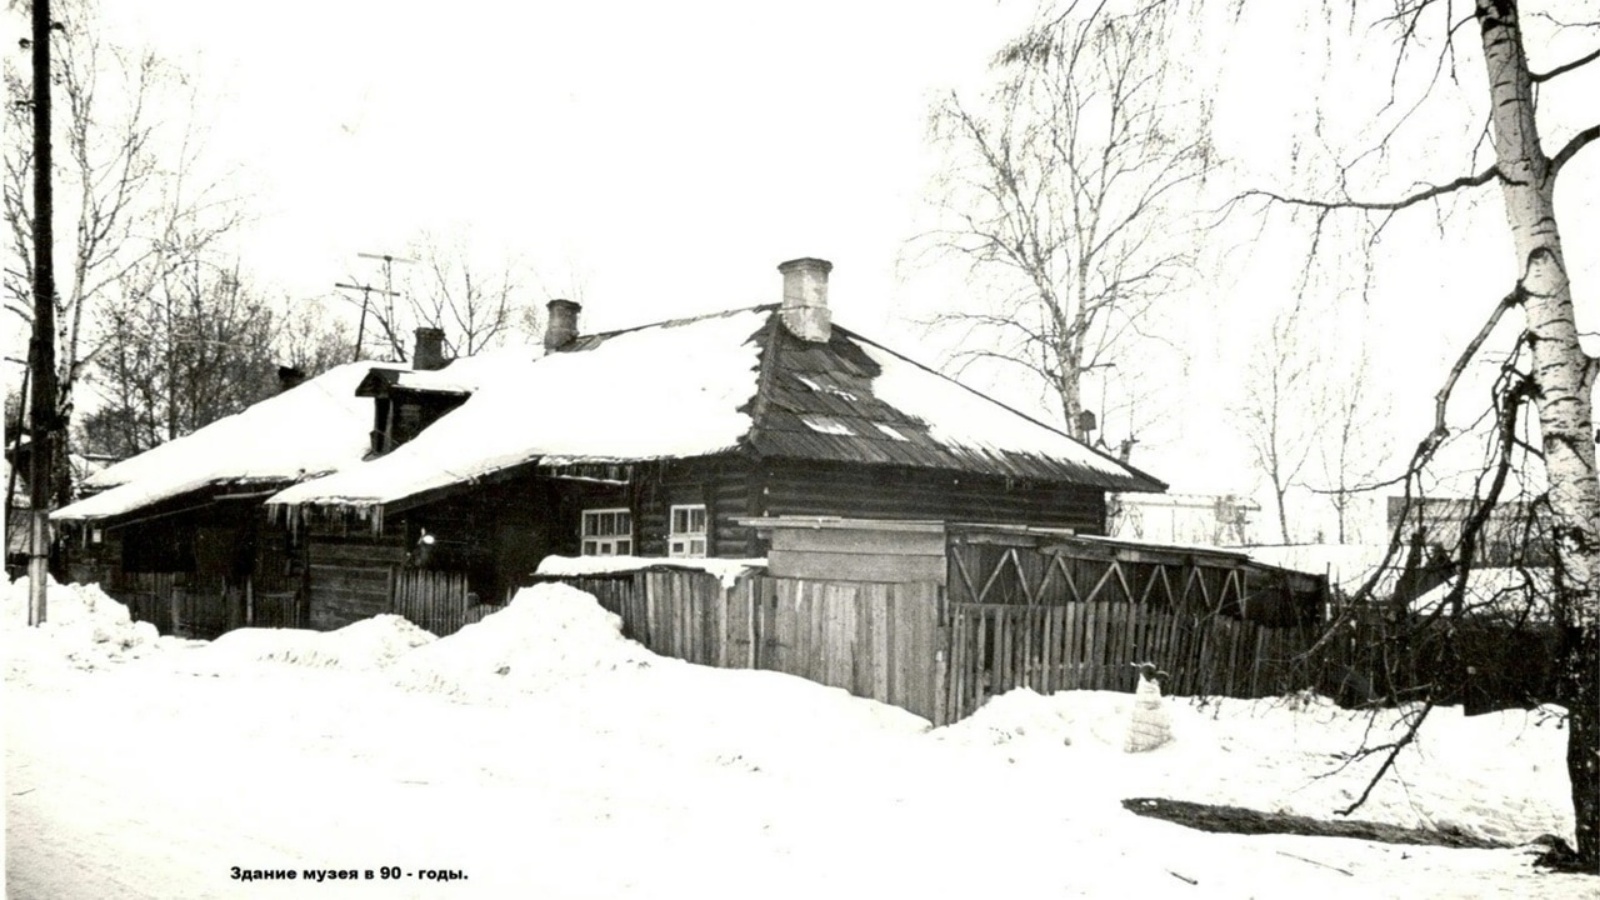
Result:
[[685, 320]]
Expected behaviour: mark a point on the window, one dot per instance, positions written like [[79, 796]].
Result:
[[607, 532], [687, 535]]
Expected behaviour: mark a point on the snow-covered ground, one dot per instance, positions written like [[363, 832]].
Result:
[[542, 755]]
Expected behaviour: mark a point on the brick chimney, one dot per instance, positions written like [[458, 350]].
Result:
[[289, 377], [561, 326], [429, 352], [805, 299]]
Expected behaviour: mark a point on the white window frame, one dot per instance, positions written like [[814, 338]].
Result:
[[593, 541], [686, 543]]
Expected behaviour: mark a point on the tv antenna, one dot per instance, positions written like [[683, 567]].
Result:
[[367, 291]]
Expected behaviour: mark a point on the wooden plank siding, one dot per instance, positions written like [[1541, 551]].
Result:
[[850, 551], [880, 641], [349, 576]]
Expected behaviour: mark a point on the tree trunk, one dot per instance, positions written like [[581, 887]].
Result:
[[1563, 375]]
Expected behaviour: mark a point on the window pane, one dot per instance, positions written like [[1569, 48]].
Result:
[[697, 519], [624, 548]]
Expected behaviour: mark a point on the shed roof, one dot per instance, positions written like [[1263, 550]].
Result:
[[730, 382]]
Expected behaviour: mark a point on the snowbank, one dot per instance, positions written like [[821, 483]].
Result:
[[83, 629], [368, 644], [1498, 776], [727, 570], [548, 634]]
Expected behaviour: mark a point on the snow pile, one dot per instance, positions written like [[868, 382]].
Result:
[[726, 570], [547, 635], [368, 644], [1497, 776], [83, 629]]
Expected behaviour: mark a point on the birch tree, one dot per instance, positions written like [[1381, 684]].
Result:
[[1548, 373], [1066, 194]]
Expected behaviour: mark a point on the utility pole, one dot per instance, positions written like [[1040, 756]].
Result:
[[44, 414]]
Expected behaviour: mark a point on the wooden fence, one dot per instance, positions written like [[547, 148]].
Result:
[[995, 648], [149, 596], [175, 605], [875, 640], [435, 601]]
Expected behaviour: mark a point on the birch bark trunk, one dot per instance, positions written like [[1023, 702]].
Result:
[[1565, 378]]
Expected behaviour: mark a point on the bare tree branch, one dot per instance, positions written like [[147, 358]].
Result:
[[1570, 149], [1431, 192], [1565, 68]]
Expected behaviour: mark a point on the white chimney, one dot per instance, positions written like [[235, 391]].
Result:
[[805, 299]]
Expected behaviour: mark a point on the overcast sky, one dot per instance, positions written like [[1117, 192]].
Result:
[[656, 160]]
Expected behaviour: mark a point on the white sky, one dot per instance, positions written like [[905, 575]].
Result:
[[656, 160]]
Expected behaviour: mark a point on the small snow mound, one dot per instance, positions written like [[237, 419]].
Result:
[[1015, 715], [550, 633], [368, 644], [84, 629]]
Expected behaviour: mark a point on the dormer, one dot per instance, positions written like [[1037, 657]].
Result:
[[407, 401]]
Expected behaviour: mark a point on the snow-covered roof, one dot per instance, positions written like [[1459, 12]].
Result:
[[667, 391], [317, 427], [1348, 565], [1503, 591], [466, 374], [726, 570], [1185, 501], [713, 384]]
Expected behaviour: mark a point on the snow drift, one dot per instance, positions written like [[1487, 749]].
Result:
[[84, 629]]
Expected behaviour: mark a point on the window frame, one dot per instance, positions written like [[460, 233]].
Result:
[[681, 544], [618, 543]]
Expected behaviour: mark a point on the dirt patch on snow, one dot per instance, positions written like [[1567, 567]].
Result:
[[1238, 820]]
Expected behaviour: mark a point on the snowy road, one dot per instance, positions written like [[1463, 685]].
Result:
[[652, 778]]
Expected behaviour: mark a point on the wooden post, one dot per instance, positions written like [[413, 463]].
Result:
[[45, 414]]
